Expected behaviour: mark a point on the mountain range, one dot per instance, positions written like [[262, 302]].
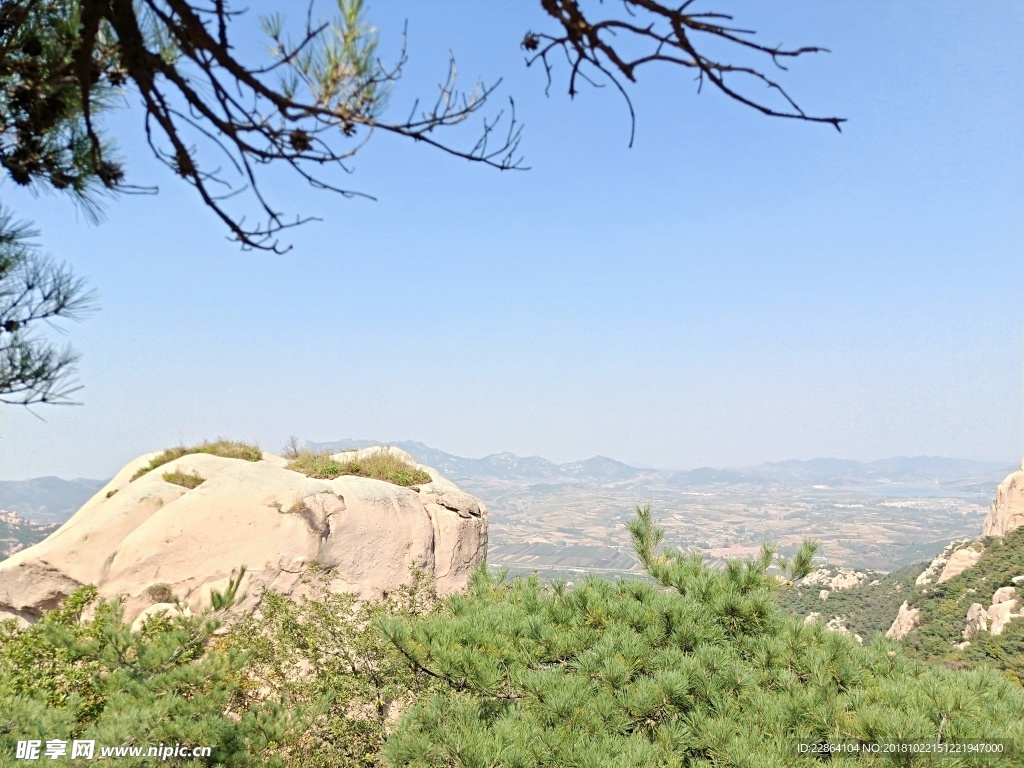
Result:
[[47, 500], [908, 471]]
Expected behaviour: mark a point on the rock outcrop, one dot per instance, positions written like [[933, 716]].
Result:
[[960, 561], [835, 579], [1007, 510], [835, 624], [1001, 614], [153, 541], [904, 622], [995, 618], [977, 621], [1003, 594], [930, 574], [838, 624]]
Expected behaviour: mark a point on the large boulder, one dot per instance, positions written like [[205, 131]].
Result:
[[960, 561], [935, 568], [153, 541], [1007, 510], [976, 621], [905, 622], [1003, 594], [1001, 613]]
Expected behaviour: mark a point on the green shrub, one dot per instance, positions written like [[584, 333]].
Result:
[[359, 678], [190, 481], [383, 465], [703, 671], [944, 612], [160, 593], [67, 678], [229, 449]]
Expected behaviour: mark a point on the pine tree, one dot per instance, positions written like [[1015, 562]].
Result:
[[69, 678], [323, 653], [34, 290], [700, 668]]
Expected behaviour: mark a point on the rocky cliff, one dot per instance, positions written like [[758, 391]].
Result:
[[1007, 511], [151, 540]]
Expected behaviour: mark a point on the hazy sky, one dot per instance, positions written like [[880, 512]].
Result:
[[733, 289]]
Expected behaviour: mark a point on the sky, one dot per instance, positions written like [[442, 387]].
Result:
[[732, 289]]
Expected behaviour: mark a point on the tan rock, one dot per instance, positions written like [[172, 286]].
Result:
[[842, 578], [1002, 613], [838, 624], [1007, 510], [904, 622], [823, 594], [934, 569], [977, 621], [366, 533], [959, 562], [1003, 594]]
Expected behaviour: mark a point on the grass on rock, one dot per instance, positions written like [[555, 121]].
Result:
[[384, 465], [229, 449], [160, 593], [193, 480]]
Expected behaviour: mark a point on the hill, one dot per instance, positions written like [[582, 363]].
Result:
[[47, 499], [951, 630], [866, 610], [17, 533], [566, 518]]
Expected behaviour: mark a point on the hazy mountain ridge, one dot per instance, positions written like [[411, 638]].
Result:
[[47, 499], [947, 473], [17, 533]]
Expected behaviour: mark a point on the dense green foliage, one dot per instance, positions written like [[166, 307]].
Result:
[[44, 136], [326, 653], [67, 678], [706, 670], [33, 291], [867, 610], [229, 449], [944, 610]]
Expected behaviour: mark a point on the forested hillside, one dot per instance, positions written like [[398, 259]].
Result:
[[940, 634], [867, 610]]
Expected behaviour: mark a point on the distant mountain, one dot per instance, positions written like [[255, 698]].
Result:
[[705, 476], [918, 472], [505, 466], [600, 468], [17, 533], [47, 499]]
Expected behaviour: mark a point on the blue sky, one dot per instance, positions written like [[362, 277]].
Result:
[[733, 289]]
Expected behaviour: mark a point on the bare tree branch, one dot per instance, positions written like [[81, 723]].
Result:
[[665, 34]]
